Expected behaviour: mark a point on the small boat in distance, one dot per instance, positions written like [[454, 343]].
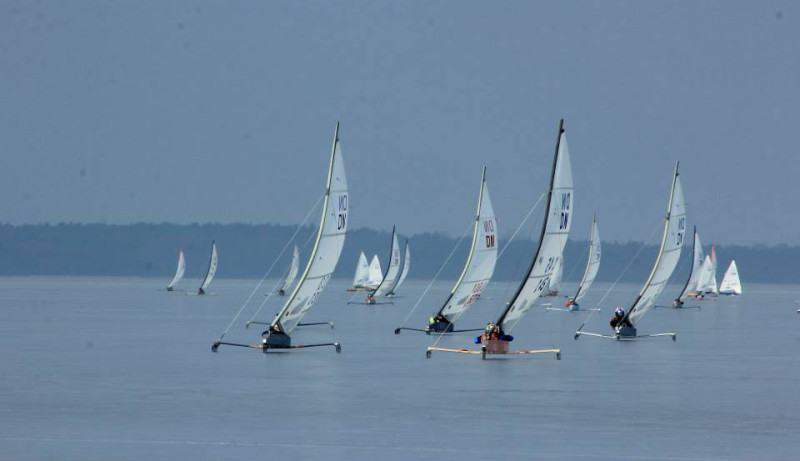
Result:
[[730, 281], [589, 274], [392, 273], [287, 282], [375, 273], [179, 272], [406, 266], [361, 277], [694, 274], [212, 270]]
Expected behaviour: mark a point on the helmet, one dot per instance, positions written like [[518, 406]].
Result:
[[620, 311]]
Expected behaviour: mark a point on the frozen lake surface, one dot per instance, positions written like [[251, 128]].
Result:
[[114, 369]]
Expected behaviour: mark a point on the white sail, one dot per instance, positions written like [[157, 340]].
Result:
[[361, 279], [375, 273], [730, 281], [482, 258], [553, 238], [707, 282], [212, 267], [327, 248], [703, 280], [392, 270], [712, 281], [592, 264], [668, 255], [697, 266], [555, 279], [179, 272], [404, 270], [293, 269]]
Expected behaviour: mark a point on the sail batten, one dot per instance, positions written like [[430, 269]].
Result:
[[481, 260], [668, 254], [327, 247]]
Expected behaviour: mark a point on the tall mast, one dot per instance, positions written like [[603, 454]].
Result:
[[663, 244], [319, 234], [472, 246], [544, 226]]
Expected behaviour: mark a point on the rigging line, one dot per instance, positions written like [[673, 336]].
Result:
[[619, 277], [516, 231], [280, 280], [441, 268], [261, 282]]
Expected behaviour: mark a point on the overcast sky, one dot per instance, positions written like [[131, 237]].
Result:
[[214, 111]]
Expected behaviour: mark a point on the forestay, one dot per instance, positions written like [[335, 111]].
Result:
[[392, 269], [668, 254], [479, 268], [212, 267], [295, 267], [404, 271], [697, 265], [375, 273], [179, 272], [361, 279], [730, 281], [593, 262], [327, 247], [553, 237]]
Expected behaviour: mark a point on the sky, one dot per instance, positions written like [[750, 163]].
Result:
[[193, 111]]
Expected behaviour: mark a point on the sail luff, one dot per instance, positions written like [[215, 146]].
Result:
[[326, 202], [471, 248], [512, 304]]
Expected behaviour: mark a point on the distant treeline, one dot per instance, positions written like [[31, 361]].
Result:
[[248, 250]]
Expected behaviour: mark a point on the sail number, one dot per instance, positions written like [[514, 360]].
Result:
[[566, 198], [681, 231], [488, 229], [342, 213]]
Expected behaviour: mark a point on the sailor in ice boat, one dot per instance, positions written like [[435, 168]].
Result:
[[201, 291], [494, 340], [439, 324], [282, 292], [677, 302], [370, 298], [571, 304], [275, 338], [618, 320]]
